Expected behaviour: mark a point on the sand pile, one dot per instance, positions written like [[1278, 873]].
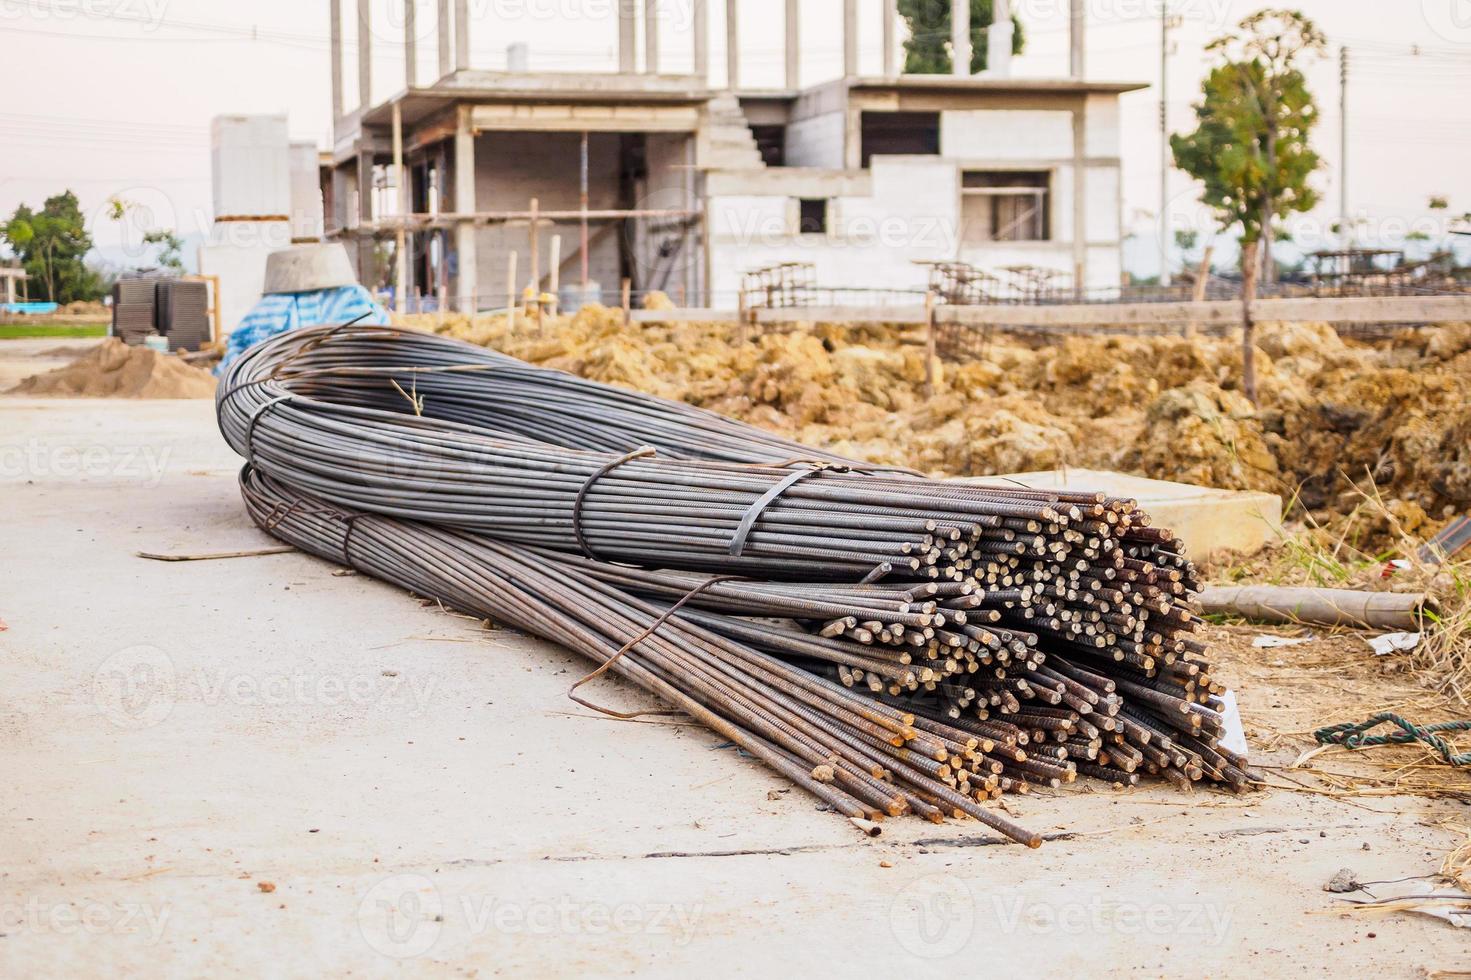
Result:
[[114, 370], [1333, 412]]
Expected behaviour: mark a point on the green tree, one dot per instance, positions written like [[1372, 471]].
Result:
[[1250, 148], [927, 48], [52, 244]]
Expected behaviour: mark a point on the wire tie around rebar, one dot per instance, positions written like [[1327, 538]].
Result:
[[643, 635], [254, 418], [753, 513], [601, 471]]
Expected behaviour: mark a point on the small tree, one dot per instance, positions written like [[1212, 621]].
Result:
[[52, 244], [1250, 146], [927, 48], [170, 251]]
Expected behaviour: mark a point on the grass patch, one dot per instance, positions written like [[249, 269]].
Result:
[[15, 331]]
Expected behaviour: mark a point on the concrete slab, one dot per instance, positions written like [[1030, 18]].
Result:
[[257, 767], [1209, 520]]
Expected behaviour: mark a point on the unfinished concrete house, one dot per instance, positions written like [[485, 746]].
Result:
[[665, 180]]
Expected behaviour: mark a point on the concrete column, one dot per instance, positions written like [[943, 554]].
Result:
[[998, 40], [462, 35], [367, 271], [960, 37], [1080, 192], [446, 33], [793, 40], [891, 18], [651, 37], [365, 54], [336, 32], [401, 249], [850, 38], [627, 36], [411, 44], [700, 27], [467, 285], [1077, 22], [732, 46]]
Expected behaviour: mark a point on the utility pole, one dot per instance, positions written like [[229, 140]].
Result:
[[1344, 228], [1164, 142], [1167, 22]]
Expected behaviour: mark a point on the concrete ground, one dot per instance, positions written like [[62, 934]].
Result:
[[258, 766]]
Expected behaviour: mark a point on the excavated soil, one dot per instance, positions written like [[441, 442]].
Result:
[[1334, 413], [111, 369]]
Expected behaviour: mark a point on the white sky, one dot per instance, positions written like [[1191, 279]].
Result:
[[114, 97]]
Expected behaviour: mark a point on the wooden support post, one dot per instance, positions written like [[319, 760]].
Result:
[[511, 291], [555, 282], [1248, 325], [929, 344], [533, 243], [1202, 278], [627, 302]]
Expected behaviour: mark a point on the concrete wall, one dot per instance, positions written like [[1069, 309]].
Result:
[[236, 252], [512, 168], [665, 187], [1006, 134], [306, 191], [816, 141], [911, 210], [250, 166]]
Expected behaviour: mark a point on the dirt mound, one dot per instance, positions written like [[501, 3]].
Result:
[[114, 370]]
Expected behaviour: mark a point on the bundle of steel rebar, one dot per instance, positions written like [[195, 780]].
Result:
[[1031, 635]]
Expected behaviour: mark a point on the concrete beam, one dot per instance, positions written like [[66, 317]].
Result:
[[998, 40], [462, 35], [651, 37], [793, 41], [466, 291], [850, 38], [365, 53], [732, 46], [411, 44], [960, 52], [627, 36], [446, 33], [336, 44], [700, 27]]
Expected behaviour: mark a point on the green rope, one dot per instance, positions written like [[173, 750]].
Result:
[[1352, 736]]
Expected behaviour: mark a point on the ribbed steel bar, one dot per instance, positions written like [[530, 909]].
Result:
[[1052, 628]]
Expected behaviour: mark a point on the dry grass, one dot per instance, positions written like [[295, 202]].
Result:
[[1330, 556]]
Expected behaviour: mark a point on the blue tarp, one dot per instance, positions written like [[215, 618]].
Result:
[[280, 312], [41, 308]]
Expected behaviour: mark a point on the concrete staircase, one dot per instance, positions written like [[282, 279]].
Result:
[[725, 141]]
